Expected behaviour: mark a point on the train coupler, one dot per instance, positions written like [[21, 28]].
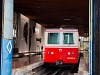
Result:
[[59, 62]]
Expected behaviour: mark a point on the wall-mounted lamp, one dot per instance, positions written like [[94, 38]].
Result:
[[36, 29]]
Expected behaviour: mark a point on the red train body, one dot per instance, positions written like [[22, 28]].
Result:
[[61, 46]]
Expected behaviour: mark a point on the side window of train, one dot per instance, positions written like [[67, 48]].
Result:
[[68, 38], [53, 38]]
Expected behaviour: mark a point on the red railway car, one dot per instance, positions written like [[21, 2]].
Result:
[[62, 47]]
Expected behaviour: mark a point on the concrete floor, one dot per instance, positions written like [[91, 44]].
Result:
[[82, 68]]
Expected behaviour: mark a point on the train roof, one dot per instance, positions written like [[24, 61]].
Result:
[[61, 29]]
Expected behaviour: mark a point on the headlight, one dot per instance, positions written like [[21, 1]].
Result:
[[68, 53], [52, 52]]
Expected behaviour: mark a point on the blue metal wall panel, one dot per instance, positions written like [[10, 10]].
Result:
[[7, 38], [7, 46]]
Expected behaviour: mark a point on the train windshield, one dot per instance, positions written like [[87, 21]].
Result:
[[53, 38], [68, 38]]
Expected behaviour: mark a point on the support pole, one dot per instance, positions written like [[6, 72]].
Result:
[[0, 30], [7, 37], [91, 35]]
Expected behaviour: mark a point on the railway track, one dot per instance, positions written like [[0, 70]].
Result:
[[52, 71]]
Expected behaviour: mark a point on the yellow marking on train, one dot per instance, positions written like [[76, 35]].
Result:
[[70, 57]]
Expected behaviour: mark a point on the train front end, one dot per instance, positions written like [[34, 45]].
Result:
[[61, 46]]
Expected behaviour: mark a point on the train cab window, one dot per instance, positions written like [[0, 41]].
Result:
[[53, 38], [68, 38]]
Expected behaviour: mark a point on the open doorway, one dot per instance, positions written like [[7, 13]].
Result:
[[62, 13]]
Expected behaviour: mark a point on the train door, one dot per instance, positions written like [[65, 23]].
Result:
[[52, 47], [67, 40], [70, 47]]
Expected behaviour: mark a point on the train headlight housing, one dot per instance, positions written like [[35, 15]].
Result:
[[73, 53], [52, 52], [48, 52], [68, 53]]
